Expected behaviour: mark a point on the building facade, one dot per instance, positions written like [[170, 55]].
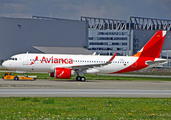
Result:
[[108, 36], [108, 42]]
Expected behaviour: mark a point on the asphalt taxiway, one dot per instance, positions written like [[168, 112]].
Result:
[[83, 93], [90, 88]]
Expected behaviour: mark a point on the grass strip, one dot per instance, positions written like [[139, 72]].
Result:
[[86, 108], [97, 77]]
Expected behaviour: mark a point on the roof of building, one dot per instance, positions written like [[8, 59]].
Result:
[[63, 50]]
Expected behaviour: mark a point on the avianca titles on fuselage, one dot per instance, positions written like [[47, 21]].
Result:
[[64, 66]]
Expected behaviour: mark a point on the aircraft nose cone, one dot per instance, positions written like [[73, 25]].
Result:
[[5, 64]]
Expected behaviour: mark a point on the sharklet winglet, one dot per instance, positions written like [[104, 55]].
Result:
[[112, 57]]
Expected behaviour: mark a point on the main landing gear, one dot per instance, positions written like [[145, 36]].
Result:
[[79, 78], [80, 74]]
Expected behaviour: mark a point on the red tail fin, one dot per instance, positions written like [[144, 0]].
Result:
[[153, 47]]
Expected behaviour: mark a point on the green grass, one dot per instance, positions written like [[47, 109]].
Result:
[[97, 77], [62, 108]]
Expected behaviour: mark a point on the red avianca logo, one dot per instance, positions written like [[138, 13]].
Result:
[[53, 60]]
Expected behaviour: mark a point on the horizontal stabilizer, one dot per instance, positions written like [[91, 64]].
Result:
[[156, 62]]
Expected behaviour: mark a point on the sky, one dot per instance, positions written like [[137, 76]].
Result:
[[74, 9]]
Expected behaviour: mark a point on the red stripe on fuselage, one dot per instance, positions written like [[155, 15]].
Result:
[[139, 64]]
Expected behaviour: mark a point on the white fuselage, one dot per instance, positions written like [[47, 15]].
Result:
[[87, 63], [48, 62]]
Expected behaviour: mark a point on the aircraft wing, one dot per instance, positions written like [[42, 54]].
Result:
[[85, 66]]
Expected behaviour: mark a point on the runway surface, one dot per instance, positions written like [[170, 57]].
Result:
[[90, 88], [84, 93]]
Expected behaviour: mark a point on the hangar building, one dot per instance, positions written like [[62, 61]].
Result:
[[19, 35]]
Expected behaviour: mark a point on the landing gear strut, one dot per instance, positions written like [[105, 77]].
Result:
[[80, 74], [79, 78]]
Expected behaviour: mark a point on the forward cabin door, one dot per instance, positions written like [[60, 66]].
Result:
[[25, 59], [26, 63]]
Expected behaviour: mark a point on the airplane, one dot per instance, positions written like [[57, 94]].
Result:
[[64, 66]]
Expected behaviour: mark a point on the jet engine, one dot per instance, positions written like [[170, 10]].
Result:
[[64, 73]]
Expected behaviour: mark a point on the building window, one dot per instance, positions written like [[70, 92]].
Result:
[[98, 43], [107, 48], [107, 38], [124, 49], [119, 48], [112, 33], [124, 43]]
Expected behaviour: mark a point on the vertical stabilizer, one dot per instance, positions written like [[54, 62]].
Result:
[[153, 47]]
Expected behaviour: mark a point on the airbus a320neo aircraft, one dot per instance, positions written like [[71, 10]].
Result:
[[65, 65]]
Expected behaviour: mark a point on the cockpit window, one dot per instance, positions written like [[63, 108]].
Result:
[[15, 59]]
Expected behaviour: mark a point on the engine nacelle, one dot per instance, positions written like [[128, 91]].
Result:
[[64, 73]]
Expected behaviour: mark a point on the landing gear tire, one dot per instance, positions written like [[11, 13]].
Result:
[[78, 78], [83, 79]]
